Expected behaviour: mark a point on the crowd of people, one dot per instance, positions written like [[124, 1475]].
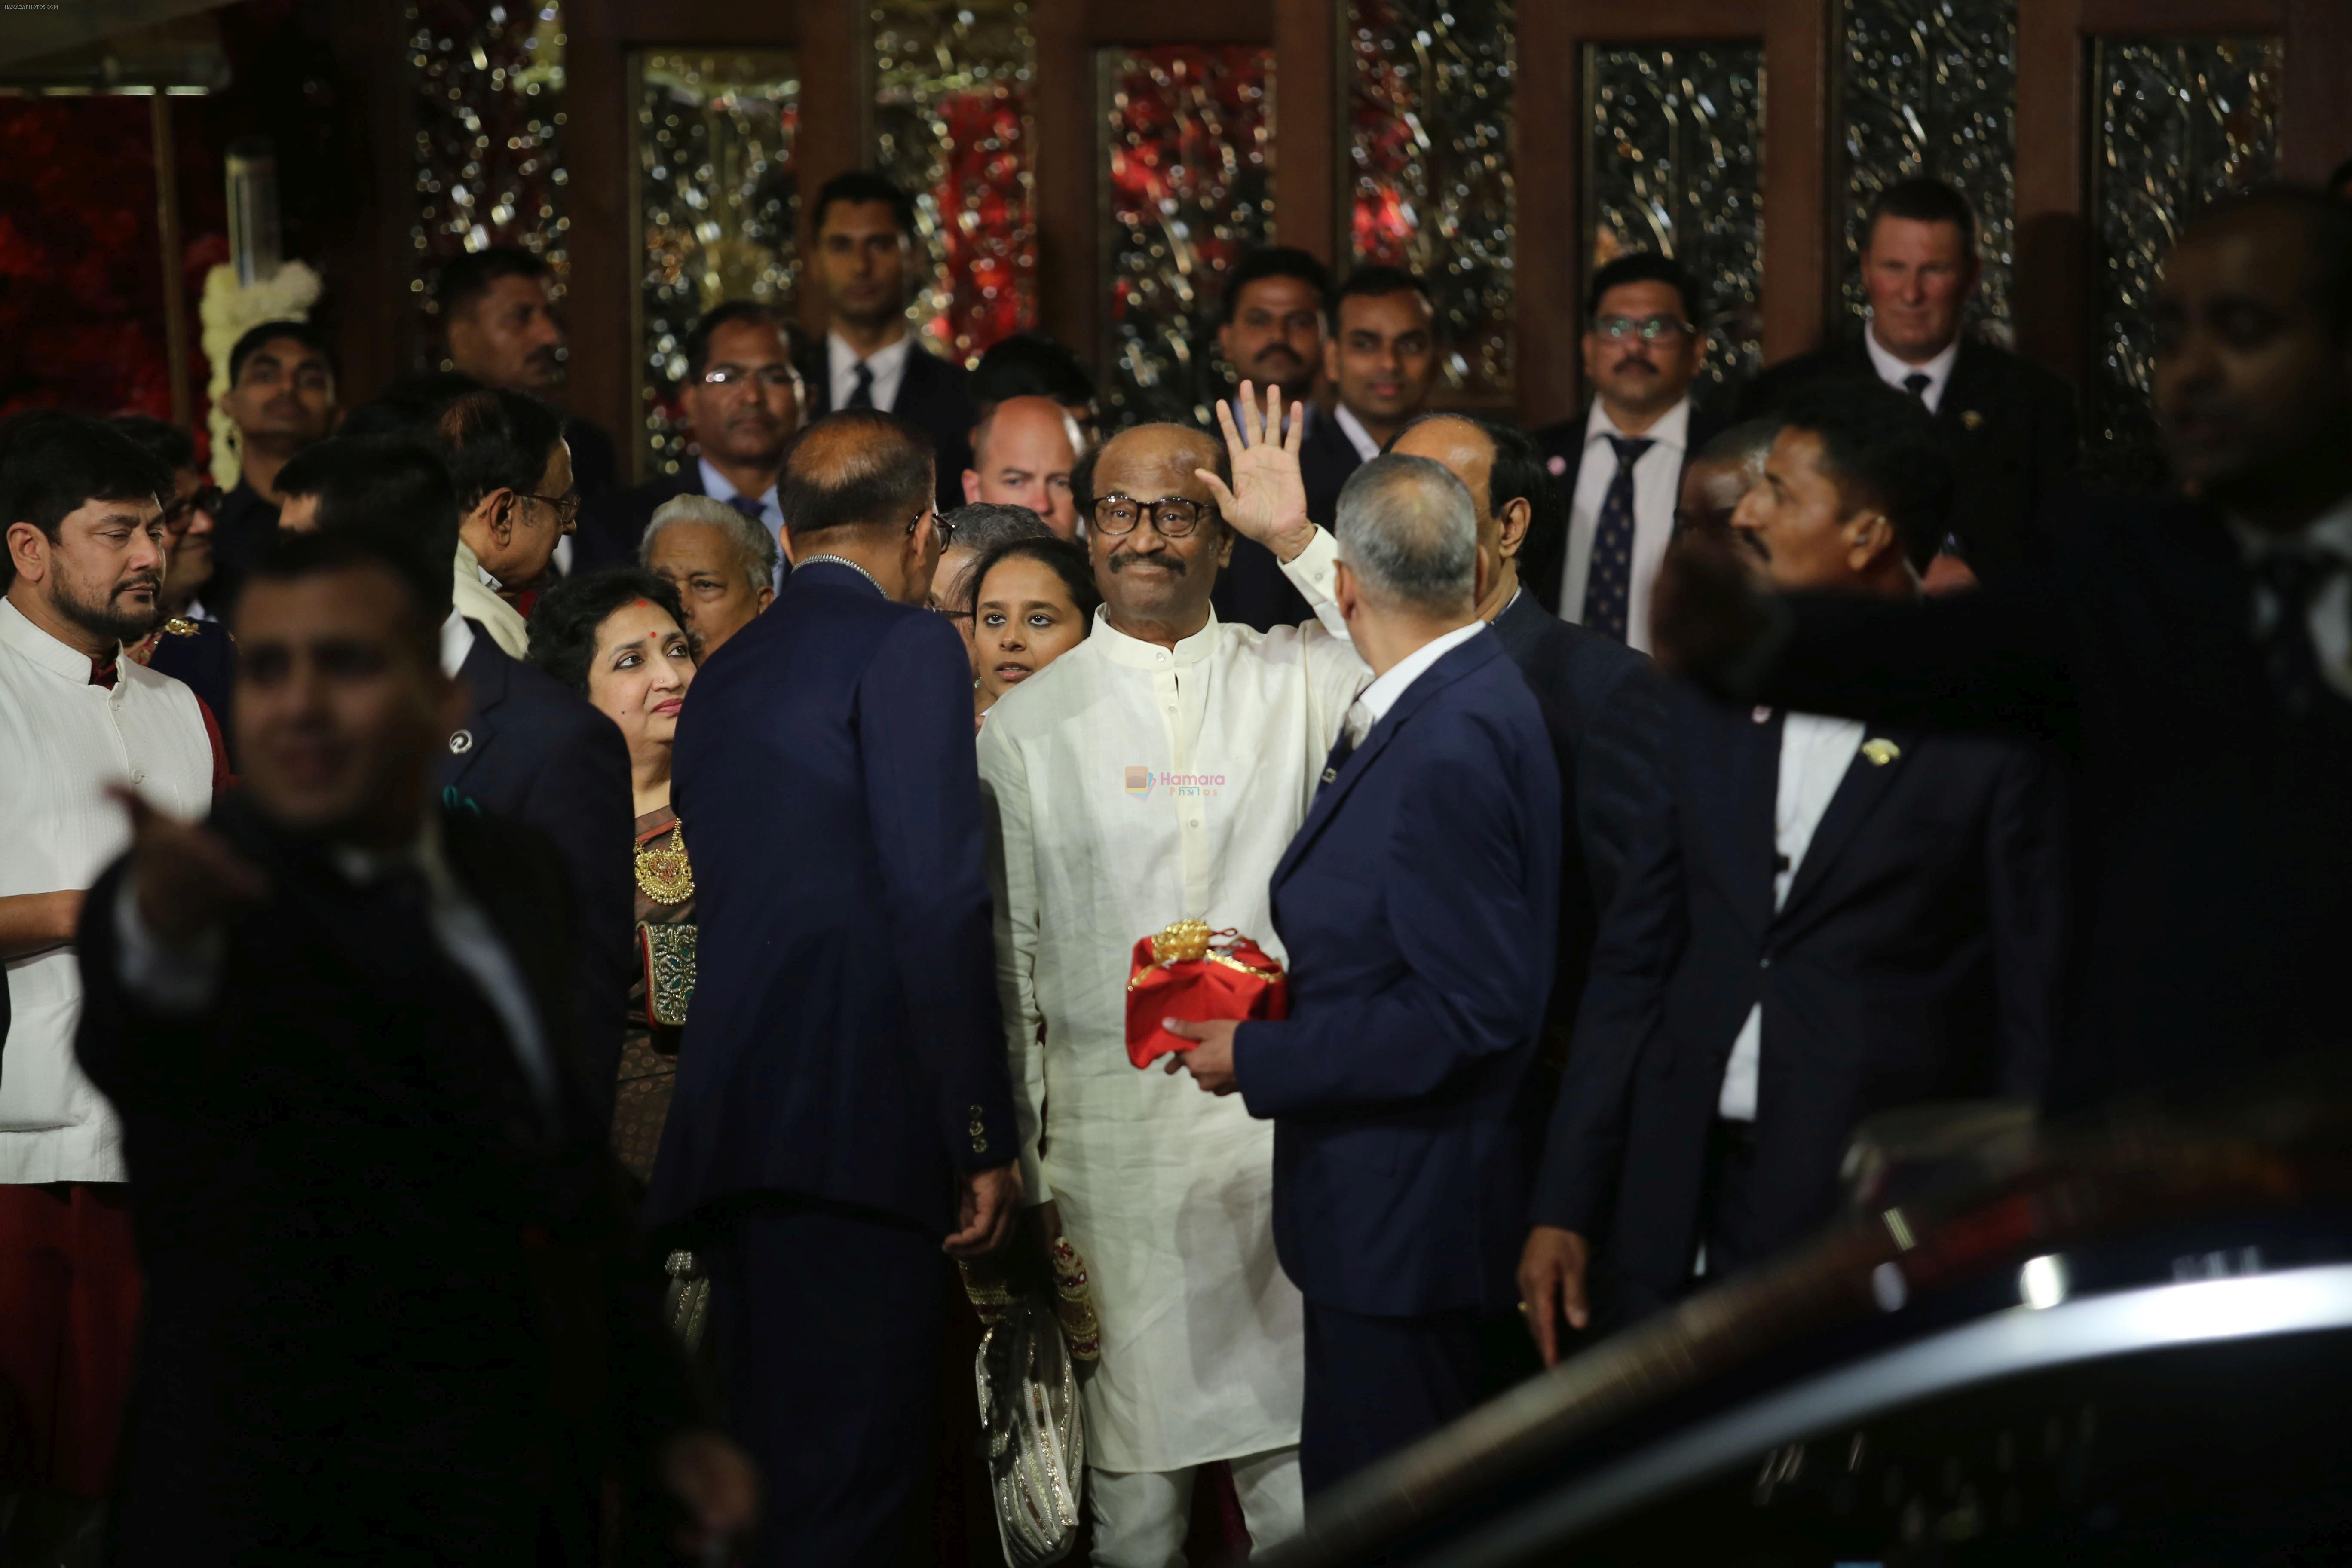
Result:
[[466, 915]]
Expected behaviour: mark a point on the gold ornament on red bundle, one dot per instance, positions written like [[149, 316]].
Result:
[[1191, 972]]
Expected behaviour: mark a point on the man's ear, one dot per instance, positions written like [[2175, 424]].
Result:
[[970, 485], [1343, 589], [1868, 536], [1225, 342], [1513, 521], [28, 552], [1225, 545], [500, 505]]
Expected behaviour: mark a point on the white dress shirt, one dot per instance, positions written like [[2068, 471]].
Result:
[[62, 742], [771, 512], [1127, 786], [1358, 436], [888, 365], [2329, 538], [456, 642], [1373, 704], [1657, 478], [178, 980], [1815, 753], [1894, 372]]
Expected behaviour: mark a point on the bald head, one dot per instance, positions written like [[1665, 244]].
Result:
[[861, 470], [1022, 455], [1725, 469]]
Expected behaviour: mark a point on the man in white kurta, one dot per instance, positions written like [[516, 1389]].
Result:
[[1154, 773], [85, 566]]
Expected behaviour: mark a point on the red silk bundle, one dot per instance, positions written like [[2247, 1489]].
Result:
[[1191, 973]]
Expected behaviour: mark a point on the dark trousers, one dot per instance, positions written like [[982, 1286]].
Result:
[[1377, 1384], [829, 1329]]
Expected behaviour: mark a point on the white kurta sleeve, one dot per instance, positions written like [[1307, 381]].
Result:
[[1012, 878], [1335, 671]]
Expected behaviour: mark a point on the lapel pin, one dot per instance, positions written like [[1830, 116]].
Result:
[[1762, 715], [1881, 751], [1971, 420], [461, 743], [1330, 774]]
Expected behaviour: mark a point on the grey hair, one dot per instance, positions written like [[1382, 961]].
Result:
[[1409, 532], [756, 545], [982, 525]]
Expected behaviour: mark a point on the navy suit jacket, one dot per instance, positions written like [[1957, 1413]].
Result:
[[1605, 705], [203, 656], [1252, 591], [535, 753], [844, 1043], [1416, 904], [934, 394], [1918, 957]]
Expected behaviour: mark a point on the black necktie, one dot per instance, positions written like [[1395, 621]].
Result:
[[862, 394], [751, 507], [1609, 579], [1916, 384], [2289, 656]]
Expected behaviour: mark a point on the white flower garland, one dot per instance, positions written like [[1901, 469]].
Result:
[[230, 310]]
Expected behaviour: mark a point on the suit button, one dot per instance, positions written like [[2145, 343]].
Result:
[[980, 1145], [973, 1111], [1765, 961], [976, 1130]]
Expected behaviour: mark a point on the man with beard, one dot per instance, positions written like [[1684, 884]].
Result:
[[864, 230], [281, 398], [1155, 774], [742, 401], [1278, 316], [503, 331], [187, 644], [84, 570], [1620, 465]]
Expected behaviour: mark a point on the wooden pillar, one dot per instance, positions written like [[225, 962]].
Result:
[[2316, 117], [173, 249], [1064, 141], [2052, 292], [1306, 127], [1547, 156], [836, 123], [599, 124], [1798, 114]]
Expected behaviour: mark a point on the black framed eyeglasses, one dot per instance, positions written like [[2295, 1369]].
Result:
[[1173, 516], [1649, 329], [947, 529], [204, 498], [565, 506]]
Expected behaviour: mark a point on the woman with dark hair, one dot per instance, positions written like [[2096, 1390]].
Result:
[[516, 502], [1033, 600], [618, 638]]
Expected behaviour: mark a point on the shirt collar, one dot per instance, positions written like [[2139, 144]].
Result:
[[1134, 653], [715, 485], [2330, 534], [469, 562], [882, 361], [1358, 436], [1672, 431], [1891, 370], [364, 867], [1382, 694], [18, 632], [457, 643]]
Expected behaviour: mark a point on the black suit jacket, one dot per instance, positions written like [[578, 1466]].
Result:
[[1543, 559], [394, 1307], [2011, 429], [2215, 820], [1604, 705], [595, 462], [613, 525], [533, 753], [244, 524], [1252, 591], [202, 655], [1918, 957], [934, 394]]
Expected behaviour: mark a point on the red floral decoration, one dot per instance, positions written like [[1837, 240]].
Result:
[[987, 225]]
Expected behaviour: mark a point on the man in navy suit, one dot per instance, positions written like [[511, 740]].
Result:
[[842, 1102], [1417, 904], [527, 750], [1823, 920], [742, 399], [863, 230]]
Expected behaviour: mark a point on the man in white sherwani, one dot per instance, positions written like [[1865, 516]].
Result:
[[1153, 773]]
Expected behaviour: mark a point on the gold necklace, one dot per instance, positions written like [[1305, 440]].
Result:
[[664, 872]]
